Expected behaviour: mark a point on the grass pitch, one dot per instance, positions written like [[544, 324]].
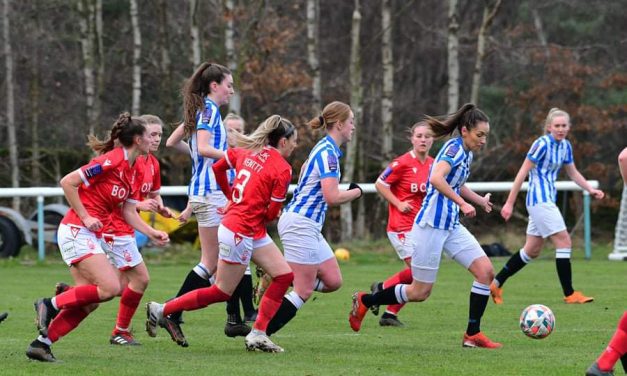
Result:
[[319, 341]]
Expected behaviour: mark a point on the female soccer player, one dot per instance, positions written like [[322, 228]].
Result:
[[210, 87], [235, 324], [119, 237], [617, 348], [260, 186], [93, 192], [437, 227], [403, 184], [306, 250], [543, 162]]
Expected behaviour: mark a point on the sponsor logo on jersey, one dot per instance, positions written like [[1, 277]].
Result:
[[415, 170], [452, 150], [332, 161], [94, 170], [107, 163]]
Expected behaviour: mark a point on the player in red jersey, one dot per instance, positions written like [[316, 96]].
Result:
[[404, 185], [93, 192], [119, 238], [261, 183], [119, 242], [617, 348]]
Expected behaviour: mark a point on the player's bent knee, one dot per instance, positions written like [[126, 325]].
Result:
[[90, 307], [333, 285], [110, 290], [418, 295]]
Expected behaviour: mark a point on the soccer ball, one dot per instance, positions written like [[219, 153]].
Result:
[[537, 321], [342, 254]]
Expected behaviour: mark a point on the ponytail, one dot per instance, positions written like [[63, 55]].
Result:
[[467, 116], [123, 131], [269, 132]]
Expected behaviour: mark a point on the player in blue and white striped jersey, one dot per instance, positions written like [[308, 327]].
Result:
[[543, 162], [437, 227], [306, 251], [210, 87]]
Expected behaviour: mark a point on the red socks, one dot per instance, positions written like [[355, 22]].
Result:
[[196, 299], [128, 305], [616, 348], [78, 296], [272, 299], [65, 322], [404, 277]]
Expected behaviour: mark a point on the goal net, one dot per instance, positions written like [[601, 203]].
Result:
[[620, 236]]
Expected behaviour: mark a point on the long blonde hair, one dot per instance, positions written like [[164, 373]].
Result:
[[269, 132]]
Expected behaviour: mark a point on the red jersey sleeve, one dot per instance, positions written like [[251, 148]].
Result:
[[97, 167], [221, 167], [392, 173], [281, 184], [279, 193]]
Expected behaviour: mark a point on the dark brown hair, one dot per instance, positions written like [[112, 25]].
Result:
[[197, 88], [123, 130], [467, 116]]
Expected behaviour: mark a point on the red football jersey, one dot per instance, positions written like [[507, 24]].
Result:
[[261, 178], [407, 178], [148, 169], [108, 181]]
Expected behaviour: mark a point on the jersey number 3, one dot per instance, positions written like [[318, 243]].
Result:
[[240, 183]]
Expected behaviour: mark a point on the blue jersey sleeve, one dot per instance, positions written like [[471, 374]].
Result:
[[569, 153], [537, 151], [453, 153], [208, 119], [328, 163]]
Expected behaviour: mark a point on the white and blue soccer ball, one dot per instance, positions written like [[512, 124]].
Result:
[[537, 321]]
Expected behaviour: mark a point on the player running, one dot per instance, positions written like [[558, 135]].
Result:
[[210, 87], [437, 227], [403, 184], [93, 192], [261, 183], [306, 250], [543, 162]]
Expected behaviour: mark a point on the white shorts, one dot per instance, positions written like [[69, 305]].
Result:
[[402, 243], [545, 220], [302, 240], [76, 243], [206, 208], [459, 244], [238, 249], [122, 251]]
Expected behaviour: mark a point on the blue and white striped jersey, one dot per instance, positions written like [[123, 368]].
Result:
[[438, 211], [548, 156], [323, 162], [203, 181]]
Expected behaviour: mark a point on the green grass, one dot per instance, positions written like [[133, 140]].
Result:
[[319, 341]]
